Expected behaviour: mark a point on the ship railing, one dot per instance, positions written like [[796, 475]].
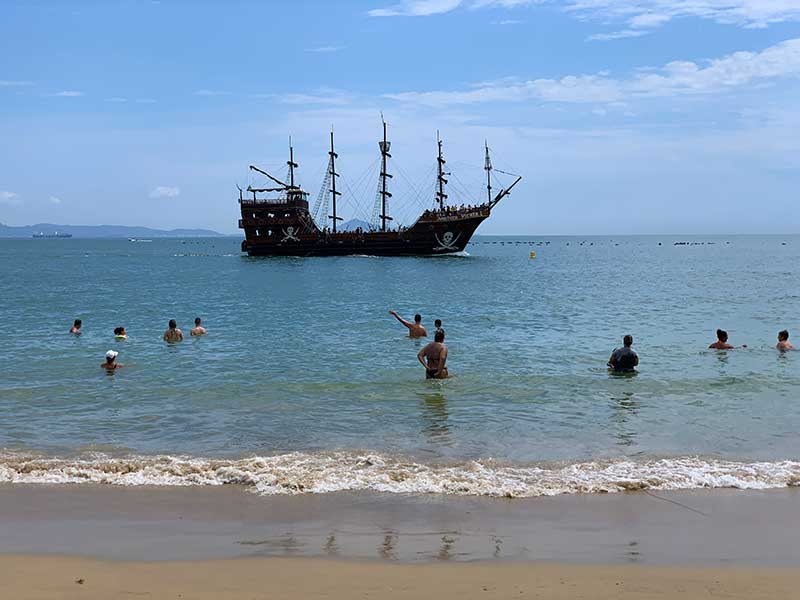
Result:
[[455, 212], [262, 201]]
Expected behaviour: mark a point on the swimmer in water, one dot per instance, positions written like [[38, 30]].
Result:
[[783, 341], [197, 329], [76, 327], [722, 342], [120, 333], [434, 357], [415, 329], [173, 334], [111, 361], [438, 324], [625, 359]]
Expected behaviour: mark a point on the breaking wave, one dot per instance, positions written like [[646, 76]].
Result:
[[299, 473]]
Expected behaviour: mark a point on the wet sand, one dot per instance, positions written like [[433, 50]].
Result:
[[98, 542], [698, 528]]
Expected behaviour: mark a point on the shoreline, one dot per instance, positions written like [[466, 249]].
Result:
[[710, 528]]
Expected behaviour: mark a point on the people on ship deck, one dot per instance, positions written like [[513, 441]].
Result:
[[415, 329], [434, 357]]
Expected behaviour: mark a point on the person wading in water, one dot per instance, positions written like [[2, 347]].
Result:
[[434, 358]]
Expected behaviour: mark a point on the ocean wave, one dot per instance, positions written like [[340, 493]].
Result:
[[299, 473]]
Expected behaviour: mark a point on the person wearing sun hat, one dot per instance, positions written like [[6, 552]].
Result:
[[111, 361]]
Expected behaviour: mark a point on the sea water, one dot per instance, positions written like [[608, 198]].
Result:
[[305, 383]]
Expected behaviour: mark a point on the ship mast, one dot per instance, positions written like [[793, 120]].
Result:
[[384, 146], [292, 165], [333, 175], [440, 180], [488, 168]]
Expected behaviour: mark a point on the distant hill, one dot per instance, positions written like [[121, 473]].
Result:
[[353, 224], [102, 231]]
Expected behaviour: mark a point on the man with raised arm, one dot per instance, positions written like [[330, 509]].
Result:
[[434, 357], [415, 329]]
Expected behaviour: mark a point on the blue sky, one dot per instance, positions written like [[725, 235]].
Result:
[[623, 116]]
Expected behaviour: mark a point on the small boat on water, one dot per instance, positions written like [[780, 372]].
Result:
[[283, 225], [138, 240], [55, 234]]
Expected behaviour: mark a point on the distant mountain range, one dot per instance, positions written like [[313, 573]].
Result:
[[102, 231]]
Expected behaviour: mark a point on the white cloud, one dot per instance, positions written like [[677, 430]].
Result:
[[649, 20], [165, 191], [55, 200], [325, 49], [617, 35], [416, 8], [210, 93], [10, 83], [68, 94], [652, 13], [642, 15], [508, 22], [673, 79], [7, 197], [323, 96]]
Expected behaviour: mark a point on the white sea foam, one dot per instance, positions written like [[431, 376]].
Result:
[[299, 473]]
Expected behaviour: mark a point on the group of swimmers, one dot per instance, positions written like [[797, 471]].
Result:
[[171, 335], [433, 357]]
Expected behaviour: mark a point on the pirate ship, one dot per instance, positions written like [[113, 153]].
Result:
[[280, 223]]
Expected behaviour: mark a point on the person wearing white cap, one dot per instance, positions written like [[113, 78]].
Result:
[[111, 361]]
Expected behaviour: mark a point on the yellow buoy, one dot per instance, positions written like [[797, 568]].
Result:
[[533, 254]]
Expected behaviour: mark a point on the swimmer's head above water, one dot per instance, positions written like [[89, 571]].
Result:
[[417, 318], [439, 336]]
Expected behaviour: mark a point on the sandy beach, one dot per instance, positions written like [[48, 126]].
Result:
[[45, 578], [108, 542]]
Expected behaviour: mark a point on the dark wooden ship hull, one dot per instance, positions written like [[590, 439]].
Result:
[[434, 235]]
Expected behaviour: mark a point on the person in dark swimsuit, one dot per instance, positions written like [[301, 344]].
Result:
[[434, 358], [625, 359]]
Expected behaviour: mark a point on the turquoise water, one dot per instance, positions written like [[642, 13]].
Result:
[[305, 373]]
